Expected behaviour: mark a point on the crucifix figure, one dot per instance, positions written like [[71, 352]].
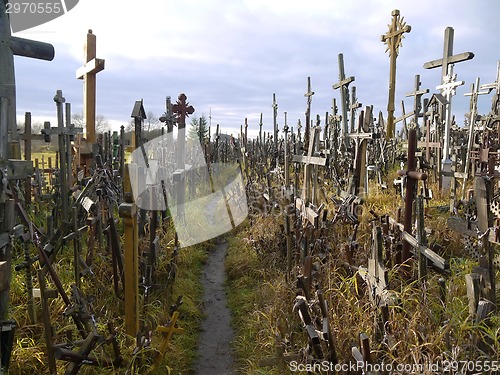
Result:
[[343, 84], [393, 39], [308, 95], [88, 72]]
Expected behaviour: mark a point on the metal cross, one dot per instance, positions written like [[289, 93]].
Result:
[[87, 72], [448, 89], [183, 110], [344, 96], [393, 39]]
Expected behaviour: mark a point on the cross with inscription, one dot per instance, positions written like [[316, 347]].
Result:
[[393, 39], [343, 85], [88, 72]]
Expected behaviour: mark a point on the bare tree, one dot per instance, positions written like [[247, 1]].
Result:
[[101, 123], [151, 122]]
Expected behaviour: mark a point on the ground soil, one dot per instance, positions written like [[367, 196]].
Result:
[[215, 352]]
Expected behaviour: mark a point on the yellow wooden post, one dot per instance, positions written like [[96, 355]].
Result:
[[393, 40], [128, 212], [167, 332]]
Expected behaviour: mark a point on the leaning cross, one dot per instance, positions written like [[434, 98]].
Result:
[[393, 40], [10, 46], [88, 72], [344, 96]]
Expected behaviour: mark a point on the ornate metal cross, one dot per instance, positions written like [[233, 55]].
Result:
[[393, 39], [183, 110]]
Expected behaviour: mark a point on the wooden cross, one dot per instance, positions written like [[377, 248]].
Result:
[[13, 46], [446, 64], [87, 72], [448, 57], [417, 99], [494, 85], [353, 106], [393, 39], [344, 95], [308, 161], [474, 94], [308, 95], [275, 116]]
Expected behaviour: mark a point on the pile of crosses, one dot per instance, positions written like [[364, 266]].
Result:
[[337, 158], [88, 196], [299, 173]]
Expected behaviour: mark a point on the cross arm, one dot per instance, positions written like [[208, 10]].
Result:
[[451, 60], [343, 82], [93, 66], [32, 48]]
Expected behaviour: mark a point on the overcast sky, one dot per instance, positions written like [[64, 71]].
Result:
[[230, 56]]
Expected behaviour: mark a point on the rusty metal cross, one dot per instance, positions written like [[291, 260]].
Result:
[[182, 109], [393, 39]]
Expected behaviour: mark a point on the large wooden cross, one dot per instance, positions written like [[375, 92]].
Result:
[[446, 64], [92, 65], [355, 104], [393, 39], [309, 160], [13, 46], [343, 84]]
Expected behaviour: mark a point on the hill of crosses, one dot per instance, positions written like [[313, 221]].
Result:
[[356, 243]]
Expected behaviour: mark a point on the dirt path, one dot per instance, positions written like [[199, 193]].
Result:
[[215, 353]]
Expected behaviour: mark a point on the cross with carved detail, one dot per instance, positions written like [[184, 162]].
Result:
[[393, 39], [88, 72], [183, 110]]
